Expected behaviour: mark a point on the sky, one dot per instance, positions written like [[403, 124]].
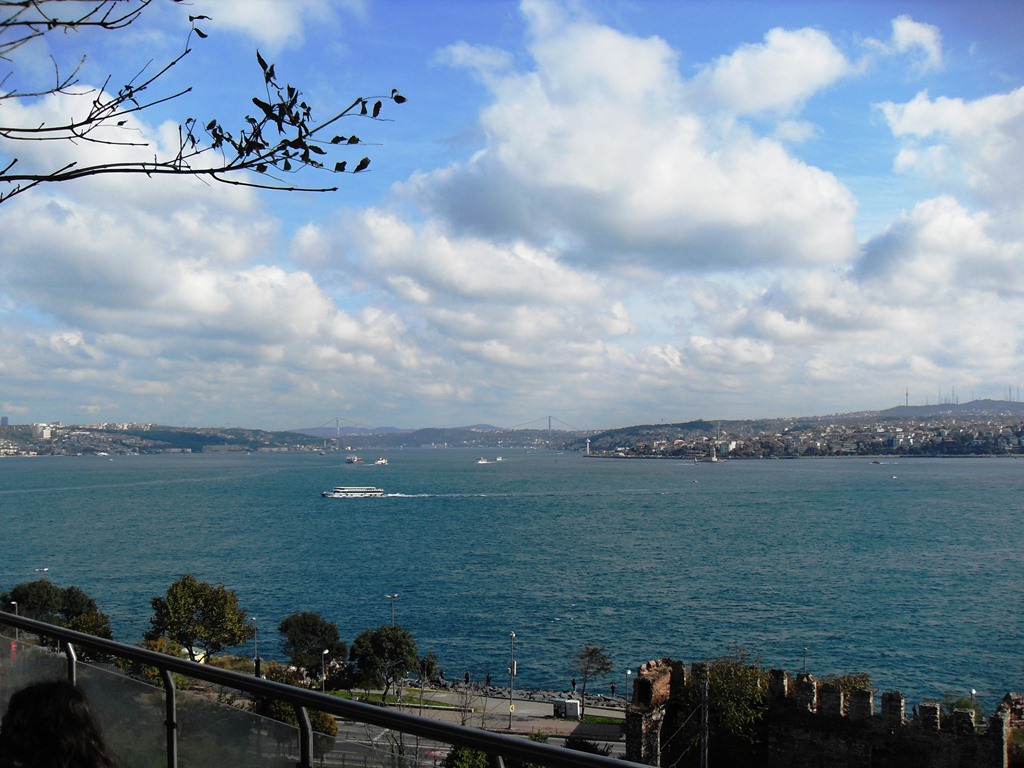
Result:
[[603, 212]]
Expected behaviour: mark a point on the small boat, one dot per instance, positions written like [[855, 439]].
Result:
[[353, 492], [482, 460], [381, 461], [353, 459]]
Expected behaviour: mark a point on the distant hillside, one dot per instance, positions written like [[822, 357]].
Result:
[[690, 435], [382, 437], [348, 430], [485, 435], [975, 408], [647, 434]]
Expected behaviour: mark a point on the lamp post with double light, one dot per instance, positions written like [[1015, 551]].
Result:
[[511, 675], [255, 646]]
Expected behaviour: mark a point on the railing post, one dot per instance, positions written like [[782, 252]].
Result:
[[171, 718], [69, 651], [305, 737]]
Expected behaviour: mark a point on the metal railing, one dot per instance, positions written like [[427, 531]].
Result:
[[498, 746]]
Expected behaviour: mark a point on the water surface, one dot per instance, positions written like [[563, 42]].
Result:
[[909, 570]]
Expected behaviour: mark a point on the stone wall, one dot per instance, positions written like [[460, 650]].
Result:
[[656, 683], [811, 724]]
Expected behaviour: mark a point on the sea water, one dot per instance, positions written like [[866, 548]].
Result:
[[910, 570]]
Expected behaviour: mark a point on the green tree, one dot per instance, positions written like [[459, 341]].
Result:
[[952, 702], [383, 656], [426, 668], [306, 635], [590, 662], [466, 757], [40, 600], [202, 618], [737, 700], [70, 607], [162, 645], [585, 745], [325, 727], [280, 138]]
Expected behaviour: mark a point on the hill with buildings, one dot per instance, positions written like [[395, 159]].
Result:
[[981, 427]]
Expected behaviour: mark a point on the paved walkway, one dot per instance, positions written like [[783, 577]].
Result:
[[480, 709]]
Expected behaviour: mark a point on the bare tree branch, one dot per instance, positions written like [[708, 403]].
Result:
[[280, 139]]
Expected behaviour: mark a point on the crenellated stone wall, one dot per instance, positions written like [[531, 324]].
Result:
[[812, 724]]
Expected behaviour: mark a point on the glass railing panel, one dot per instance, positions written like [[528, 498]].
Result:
[[219, 726], [26, 665], [131, 713]]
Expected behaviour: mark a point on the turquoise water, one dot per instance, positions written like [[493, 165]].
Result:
[[915, 579]]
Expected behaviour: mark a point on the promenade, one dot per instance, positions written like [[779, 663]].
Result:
[[533, 714]]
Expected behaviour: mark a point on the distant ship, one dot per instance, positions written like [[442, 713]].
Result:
[[353, 459], [353, 492]]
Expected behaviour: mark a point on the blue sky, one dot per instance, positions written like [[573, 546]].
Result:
[[608, 212]]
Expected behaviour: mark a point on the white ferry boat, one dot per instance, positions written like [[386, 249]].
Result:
[[353, 492]]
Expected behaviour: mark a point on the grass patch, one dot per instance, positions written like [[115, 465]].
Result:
[[409, 698], [601, 720]]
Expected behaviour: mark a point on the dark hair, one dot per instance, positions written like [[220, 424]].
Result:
[[49, 724]]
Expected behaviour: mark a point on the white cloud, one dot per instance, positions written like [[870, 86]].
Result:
[[915, 41], [940, 250], [909, 36], [271, 23], [625, 240], [618, 165], [777, 75], [971, 146], [482, 59]]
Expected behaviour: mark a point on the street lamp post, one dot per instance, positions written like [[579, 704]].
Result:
[[255, 646], [392, 598], [14, 643], [323, 671], [626, 692], [511, 675]]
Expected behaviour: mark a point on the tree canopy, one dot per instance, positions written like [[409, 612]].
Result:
[[68, 607], [202, 618], [40, 599], [325, 727], [266, 150], [737, 700], [591, 663], [383, 656], [306, 635]]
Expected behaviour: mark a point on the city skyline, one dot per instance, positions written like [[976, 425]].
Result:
[[619, 213]]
